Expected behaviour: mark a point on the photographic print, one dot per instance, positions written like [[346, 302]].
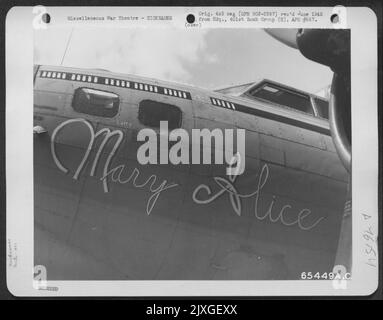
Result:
[[191, 153]]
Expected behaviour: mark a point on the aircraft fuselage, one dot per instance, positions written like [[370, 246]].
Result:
[[116, 218]]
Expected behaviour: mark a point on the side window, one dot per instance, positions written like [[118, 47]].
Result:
[[283, 97], [96, 102], [150, 113], [322, 107]]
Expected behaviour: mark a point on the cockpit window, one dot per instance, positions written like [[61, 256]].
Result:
[[96, 102], [322, 107], [283, 97], [235, 90], [150, 113]]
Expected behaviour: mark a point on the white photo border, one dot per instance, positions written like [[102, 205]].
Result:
[[19, 164]]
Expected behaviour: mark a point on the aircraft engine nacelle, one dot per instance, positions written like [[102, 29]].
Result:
[[330, 47]]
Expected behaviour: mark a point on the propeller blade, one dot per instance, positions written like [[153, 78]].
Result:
[[286, 36]]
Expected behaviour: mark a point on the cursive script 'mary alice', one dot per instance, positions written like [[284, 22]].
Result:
[[203, 195], [116, 174]]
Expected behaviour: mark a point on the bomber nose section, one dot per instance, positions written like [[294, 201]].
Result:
[[330, 47]]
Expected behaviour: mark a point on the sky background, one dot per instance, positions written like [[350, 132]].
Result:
[[207, 58]]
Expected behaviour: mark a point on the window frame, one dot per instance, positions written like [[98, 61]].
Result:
[[101, 90], [261, 85], [315, 98], [161, 103]]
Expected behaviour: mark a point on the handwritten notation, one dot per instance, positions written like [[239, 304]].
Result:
[[370, 246]]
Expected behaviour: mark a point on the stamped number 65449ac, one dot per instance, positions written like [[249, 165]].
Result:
[[324, 276]]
